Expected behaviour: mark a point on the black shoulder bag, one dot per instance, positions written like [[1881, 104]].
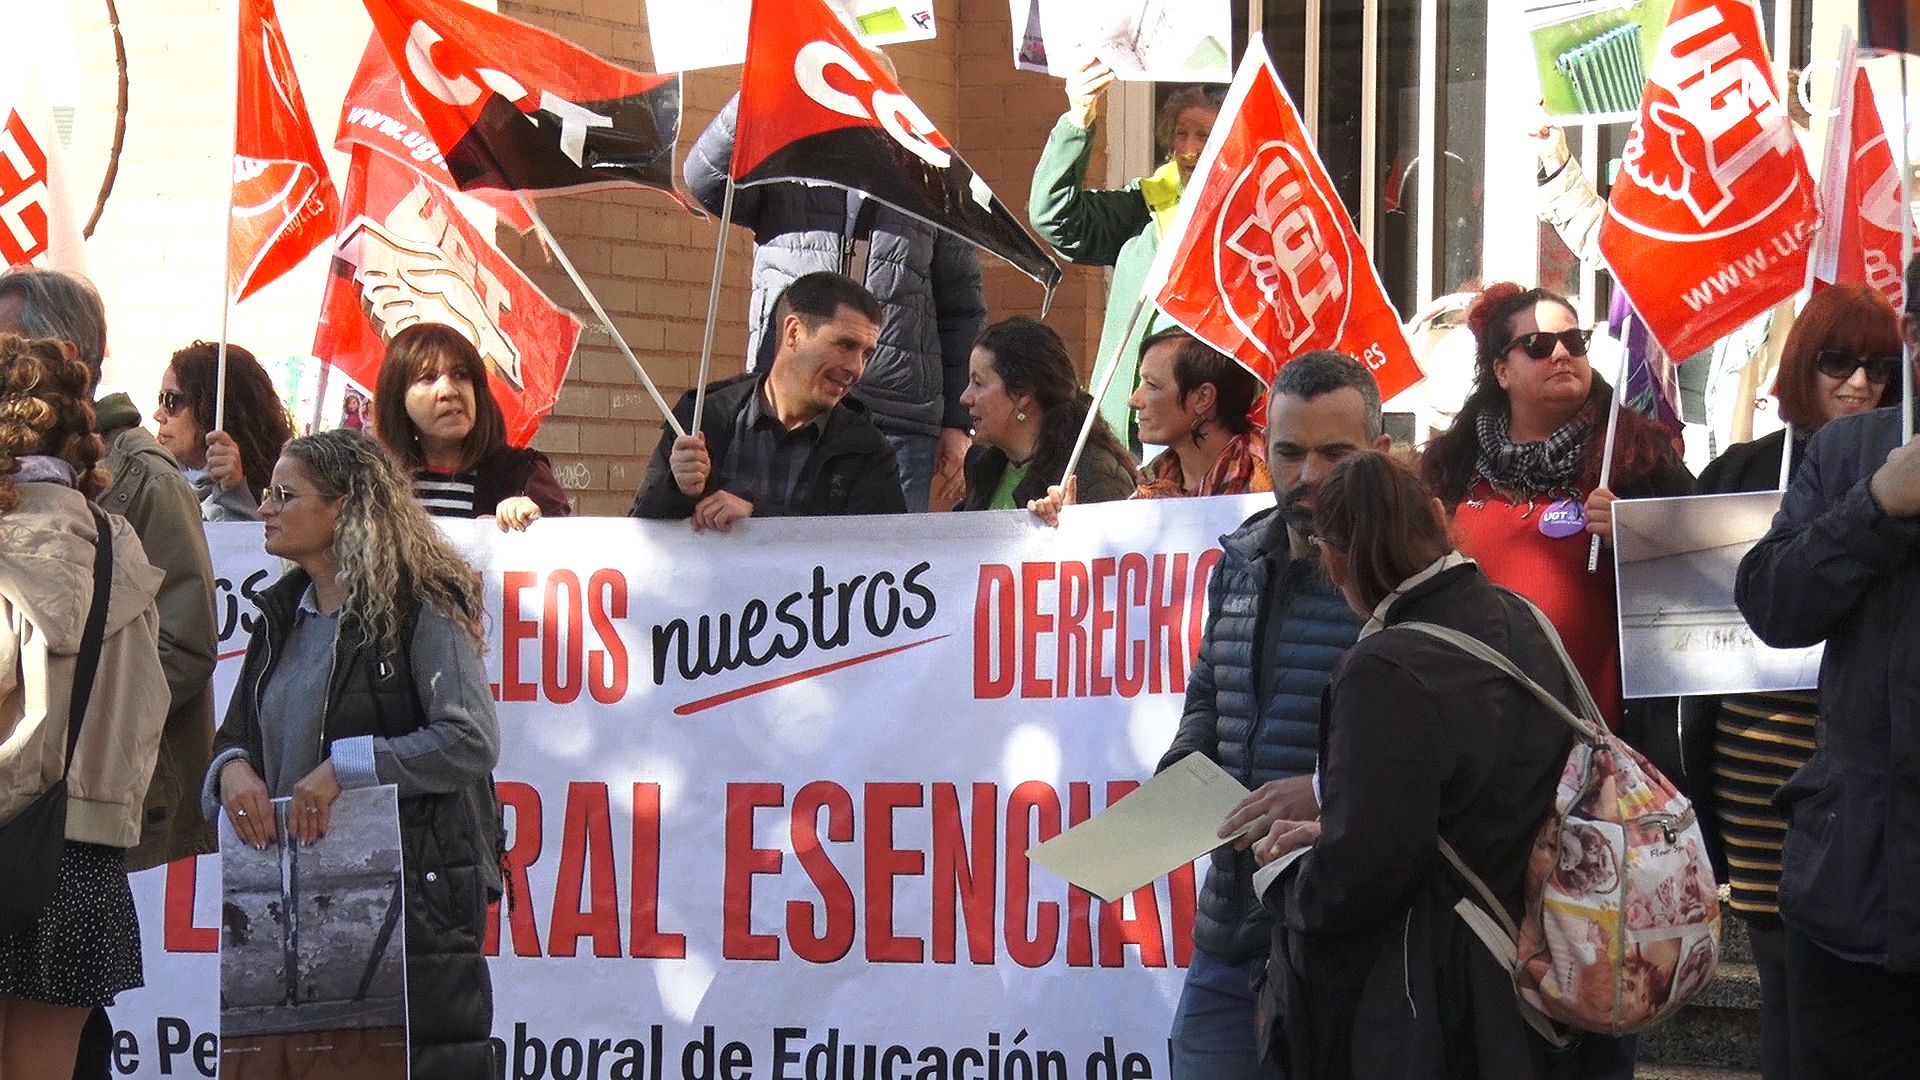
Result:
[[31, 844]]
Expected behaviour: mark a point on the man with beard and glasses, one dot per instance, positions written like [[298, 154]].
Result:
[[1275, 630]]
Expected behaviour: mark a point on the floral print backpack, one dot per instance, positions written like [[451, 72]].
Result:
[[1622, 919]]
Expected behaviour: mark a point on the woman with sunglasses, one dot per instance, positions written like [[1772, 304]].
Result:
[[1520, 471], [1842, 357], [227, 468], [365, 669], [433, 409]]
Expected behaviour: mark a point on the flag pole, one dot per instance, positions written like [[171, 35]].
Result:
[[1786, 457], [226, 249], [1906, 254], [1606, 458], [713, 305], [1106, 383], [566, 264]]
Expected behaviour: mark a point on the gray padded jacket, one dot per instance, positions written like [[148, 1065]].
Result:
[[927, 279]]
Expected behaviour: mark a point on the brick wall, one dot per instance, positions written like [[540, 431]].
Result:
[[156, 254], [650, 262]]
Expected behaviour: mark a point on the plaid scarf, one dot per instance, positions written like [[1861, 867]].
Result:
[[1529, 470], [1240, 468]]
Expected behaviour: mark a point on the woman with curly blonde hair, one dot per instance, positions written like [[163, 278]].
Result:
[[365, 669], [85, 753]]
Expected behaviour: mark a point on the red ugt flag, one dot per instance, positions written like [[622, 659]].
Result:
[[519, 109], [376, 114], [814, 106], [407, 255], [1860, 200], [1266, 265], [283, 203], [1708, 222]]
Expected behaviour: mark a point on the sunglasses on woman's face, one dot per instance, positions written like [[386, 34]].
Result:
[[172, 401], [1841, 364], [1539, 344]]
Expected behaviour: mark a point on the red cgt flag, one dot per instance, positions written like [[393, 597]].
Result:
[[1860, 201], [406, 255], [376, 114], [516, 108], [1708, 221], [283, 203], [1266, 264], [814, 106]]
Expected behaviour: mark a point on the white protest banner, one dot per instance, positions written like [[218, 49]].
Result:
[[767, 794], [713, 33], [1680, 632]]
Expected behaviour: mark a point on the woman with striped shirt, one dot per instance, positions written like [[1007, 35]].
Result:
[[1841, 357], [433, 412]]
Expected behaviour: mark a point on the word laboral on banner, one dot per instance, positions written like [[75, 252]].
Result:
[[1709, 221], [768, 796]]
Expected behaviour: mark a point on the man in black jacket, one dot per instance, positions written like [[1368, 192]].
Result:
[[788, 441], [1841, 565], [1275, 630]]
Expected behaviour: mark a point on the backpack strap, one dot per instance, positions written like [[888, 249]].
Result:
[[91, 637], [1488, 919], [1590, 728]]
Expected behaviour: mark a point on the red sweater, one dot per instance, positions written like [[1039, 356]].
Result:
[[1505, 539]]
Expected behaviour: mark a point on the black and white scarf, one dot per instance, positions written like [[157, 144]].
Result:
[[1528, 470]]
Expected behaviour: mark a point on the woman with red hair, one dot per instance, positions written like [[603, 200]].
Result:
[[1842, 357], [1519, 470]]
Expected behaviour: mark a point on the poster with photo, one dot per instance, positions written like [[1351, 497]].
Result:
[[1680, 631], [1592, 56], [320, 397], [1141, 40], [313, 947], [713, 33]]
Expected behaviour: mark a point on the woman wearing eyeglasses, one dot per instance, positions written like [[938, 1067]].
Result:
[[365, 669], [1519, 470], [434, 411], [1842, 357], [227, 468]]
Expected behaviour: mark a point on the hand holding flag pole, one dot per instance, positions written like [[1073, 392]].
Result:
[[1606, 463]]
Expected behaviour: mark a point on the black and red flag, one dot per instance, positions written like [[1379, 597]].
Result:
[[377, 115], [517, 108], [815, 107]]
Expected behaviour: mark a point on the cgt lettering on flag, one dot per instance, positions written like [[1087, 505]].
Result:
[[815, 109], [516, 108], [23, 193]]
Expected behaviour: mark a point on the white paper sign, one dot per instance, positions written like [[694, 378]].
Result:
[[1680, 632], [1144, 40]]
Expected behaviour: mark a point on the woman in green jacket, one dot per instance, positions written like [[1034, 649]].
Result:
[[1119, 228]]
